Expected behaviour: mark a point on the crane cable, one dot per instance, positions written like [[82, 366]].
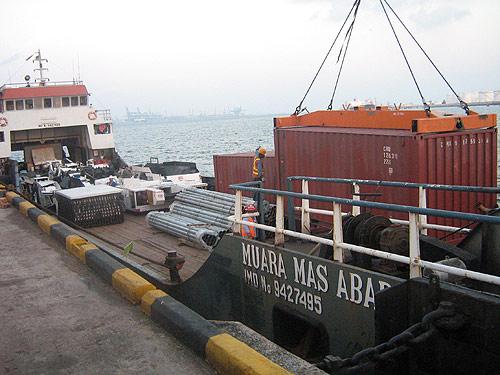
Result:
[[343, 52], [463, 104], [299, 108], [348, 38], [427, 108]]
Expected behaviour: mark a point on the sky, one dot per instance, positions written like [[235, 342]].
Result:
[[195, 56]]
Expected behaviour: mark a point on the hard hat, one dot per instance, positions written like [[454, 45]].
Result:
[[262, 150], [250, 208]]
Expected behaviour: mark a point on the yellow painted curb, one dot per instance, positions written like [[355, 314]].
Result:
[[149, 298], [79, 250], [11, 195], [46, 221], [131, 285], [24, 207], [72, 241], [231, 356]]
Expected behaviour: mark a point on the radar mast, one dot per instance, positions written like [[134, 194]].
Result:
[[38, 58]]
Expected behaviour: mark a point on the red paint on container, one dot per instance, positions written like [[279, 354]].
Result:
[[452, 158], [236, 168]]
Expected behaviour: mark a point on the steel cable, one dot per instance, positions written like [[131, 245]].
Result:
[[299, 107], [462, 103], [427, 108], [348, 37]]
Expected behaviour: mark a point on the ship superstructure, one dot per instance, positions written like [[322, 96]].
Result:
[[43, 116], [144, 117]]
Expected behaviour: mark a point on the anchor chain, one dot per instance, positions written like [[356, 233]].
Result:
[[445, 317]]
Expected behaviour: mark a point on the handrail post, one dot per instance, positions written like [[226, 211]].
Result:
[[305, 215], [422, 203], [238, 203], [415, 269], [337, 233], [291, 208], [279, 236], [261, 235], [356, 210]]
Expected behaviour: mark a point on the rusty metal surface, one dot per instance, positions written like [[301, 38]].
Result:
[[235, 168], [464, 158]]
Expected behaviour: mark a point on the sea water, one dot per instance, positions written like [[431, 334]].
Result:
[[195, 141], [198, 141]]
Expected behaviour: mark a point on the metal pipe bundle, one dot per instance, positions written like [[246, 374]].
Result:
[[213, 200], [183, 227], [216, 195], [197, 215], [200, 214]]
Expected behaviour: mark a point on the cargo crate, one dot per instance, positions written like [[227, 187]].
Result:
[[465, 157], [91, 206]]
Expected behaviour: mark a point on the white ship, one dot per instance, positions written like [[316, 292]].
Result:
[[43, 118]]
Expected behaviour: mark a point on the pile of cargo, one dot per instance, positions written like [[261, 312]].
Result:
[[198, 216]]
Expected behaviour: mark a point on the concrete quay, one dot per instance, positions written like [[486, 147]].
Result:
[[58, 317]]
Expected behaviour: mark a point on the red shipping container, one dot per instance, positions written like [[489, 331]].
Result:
[[236, 168], [466, 157]]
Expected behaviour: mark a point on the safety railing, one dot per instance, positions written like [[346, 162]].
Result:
[[37, 84], [415, 263], [422, 188]]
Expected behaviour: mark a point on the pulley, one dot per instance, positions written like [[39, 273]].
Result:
[[368, 231], [394, 239], [351, 225]]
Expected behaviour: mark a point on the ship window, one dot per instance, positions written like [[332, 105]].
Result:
[[28, 104], [19, 105], [9, 105], [102, 128], [83, 100], [56, 102], [38, 102], [47, 102], [65, 101], [74, 101], [2, 137]]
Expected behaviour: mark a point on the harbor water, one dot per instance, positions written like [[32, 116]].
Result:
[[198, 141], [195, 141]]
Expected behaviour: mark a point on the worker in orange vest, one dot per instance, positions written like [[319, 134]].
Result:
[[246, 230], [258, 169], [258, 164]]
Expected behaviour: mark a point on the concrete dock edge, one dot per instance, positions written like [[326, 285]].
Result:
[[225, 353]]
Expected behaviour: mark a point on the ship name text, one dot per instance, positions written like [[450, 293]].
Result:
[[266, 270]]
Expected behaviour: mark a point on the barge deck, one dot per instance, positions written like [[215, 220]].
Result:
[[150, 246]]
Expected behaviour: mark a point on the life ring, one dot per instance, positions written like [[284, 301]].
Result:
[[92, 115], [3, 121]]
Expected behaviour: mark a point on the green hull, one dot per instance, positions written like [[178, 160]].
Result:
[[287, 296]]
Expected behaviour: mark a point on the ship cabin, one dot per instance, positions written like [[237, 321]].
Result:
[[47, 120]]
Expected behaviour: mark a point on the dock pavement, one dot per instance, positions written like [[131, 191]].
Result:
[[58, 317]]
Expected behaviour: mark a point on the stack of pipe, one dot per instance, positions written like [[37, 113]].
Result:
[[197, 215], [182, 227]]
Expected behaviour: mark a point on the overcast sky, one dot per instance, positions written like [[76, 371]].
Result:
[[193, 55]]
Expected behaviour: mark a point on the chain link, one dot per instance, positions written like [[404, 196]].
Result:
[[445, 317]]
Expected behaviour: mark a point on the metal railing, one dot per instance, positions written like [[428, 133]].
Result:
[[37, 84], [305, 210], [416, 264]]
